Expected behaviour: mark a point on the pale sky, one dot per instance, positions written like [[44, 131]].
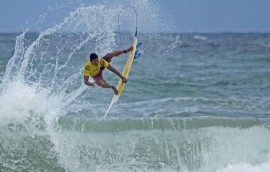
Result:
[[187, 15]]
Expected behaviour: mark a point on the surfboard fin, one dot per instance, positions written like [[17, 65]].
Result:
[[137, 53], [138, 44]]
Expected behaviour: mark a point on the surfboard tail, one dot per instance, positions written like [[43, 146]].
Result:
[[113, 102]]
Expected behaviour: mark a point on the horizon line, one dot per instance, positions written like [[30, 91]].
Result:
[[161, 32]]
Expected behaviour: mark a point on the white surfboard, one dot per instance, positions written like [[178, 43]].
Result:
[[125, 73]]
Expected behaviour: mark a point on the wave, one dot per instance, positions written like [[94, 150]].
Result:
[[158, 144], [189, 144]]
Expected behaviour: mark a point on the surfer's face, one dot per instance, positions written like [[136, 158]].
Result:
[[95, 62]]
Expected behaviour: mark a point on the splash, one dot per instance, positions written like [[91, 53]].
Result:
[[43, 79]]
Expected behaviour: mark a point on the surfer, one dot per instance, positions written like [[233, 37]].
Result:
[[96, 65]]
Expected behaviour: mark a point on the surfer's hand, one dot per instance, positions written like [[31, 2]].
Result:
[[124, 80]]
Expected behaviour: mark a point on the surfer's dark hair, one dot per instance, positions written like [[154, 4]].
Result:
[[93, 56]]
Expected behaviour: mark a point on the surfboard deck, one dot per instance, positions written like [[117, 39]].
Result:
[[125, 73]]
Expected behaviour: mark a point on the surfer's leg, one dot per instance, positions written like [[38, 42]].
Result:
[[106, 85], [102, 83]]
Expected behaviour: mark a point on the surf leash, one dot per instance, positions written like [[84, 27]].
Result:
[[136, 15]]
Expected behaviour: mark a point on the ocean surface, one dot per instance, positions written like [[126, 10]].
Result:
[[193, 102]]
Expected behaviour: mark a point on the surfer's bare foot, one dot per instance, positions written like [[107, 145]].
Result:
[[115, 91]]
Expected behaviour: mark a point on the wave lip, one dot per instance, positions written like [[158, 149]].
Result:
[[158, 123]]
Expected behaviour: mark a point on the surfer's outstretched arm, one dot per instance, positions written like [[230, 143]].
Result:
[[124, 80], [118, 52]]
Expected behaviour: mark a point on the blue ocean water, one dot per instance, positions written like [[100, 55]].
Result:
[[193, 102]]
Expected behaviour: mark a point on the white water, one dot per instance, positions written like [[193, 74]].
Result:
[[245, 167], [206, 149]]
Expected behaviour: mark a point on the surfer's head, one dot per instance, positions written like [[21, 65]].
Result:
[[94, 59]]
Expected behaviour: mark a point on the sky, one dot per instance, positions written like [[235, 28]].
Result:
[[204, 16]]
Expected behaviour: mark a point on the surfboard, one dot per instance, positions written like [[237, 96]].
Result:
[[125, 73]]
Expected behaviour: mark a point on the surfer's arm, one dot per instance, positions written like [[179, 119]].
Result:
[[86, 82], [124, 80], [119, 52]]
